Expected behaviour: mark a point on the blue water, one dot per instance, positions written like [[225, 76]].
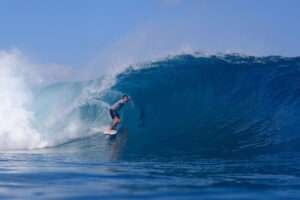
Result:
[[218, 127]]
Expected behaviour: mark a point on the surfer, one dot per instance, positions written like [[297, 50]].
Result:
[[113, 111]]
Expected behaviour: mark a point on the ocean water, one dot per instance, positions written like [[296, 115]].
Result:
[[198, 127]]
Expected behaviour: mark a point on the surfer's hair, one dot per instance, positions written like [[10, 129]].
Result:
[[125, 96]]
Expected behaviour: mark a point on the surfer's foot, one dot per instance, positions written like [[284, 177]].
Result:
[[111, 129]]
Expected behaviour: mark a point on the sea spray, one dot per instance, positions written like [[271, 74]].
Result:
[[16, 119]]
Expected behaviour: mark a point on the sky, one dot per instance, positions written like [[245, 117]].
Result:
[[83, 33]]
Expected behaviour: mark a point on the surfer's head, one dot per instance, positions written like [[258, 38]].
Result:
[[125, 97]]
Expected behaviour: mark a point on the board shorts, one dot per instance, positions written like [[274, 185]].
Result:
[[113, 114]]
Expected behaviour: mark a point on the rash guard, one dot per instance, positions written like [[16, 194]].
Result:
[[118, 105]]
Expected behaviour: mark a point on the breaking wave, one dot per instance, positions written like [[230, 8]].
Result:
[[186, 104]]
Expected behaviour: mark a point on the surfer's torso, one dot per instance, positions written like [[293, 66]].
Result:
[[118, 105]]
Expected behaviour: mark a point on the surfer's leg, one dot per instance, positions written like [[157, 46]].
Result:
[[111, 112], [114, 117], [115, 123]]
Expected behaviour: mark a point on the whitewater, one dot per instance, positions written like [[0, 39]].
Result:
[[215, 126]]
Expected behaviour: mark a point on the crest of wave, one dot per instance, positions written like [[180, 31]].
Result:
[[16, 129]]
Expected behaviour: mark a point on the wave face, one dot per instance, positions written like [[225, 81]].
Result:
[[186, 105], [225, 105]]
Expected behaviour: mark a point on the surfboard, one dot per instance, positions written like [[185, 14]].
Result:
[[110, 132], [104, 130]]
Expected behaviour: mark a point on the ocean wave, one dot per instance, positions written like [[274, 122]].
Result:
[[186, 104]]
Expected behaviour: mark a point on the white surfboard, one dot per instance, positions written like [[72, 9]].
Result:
[[104, 130], [110, 132]]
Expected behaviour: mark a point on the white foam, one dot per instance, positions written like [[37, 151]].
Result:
[[16, 129]]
